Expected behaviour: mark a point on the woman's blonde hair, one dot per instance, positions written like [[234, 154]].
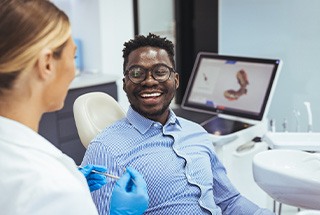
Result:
[[26, 28]]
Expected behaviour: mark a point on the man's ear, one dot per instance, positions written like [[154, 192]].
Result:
[[45, 64], [176, 80], [124, 85]]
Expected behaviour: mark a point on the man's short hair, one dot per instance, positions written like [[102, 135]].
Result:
[[150, 40]]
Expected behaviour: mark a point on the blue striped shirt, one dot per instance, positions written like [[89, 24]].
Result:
[[178, 162]]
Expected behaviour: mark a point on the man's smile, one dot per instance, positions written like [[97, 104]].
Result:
[[148, 95]]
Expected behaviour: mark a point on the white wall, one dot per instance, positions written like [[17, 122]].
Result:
[[102, 26], [157, 17], [117, 27], [285, 29]]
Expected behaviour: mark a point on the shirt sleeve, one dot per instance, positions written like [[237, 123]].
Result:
[[227, 197], [97, 154]]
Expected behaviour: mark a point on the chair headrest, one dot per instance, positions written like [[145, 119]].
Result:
[[93, 112]]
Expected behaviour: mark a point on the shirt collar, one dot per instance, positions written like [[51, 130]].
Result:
[[143, 124]]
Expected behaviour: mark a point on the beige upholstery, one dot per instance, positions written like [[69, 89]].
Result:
[[93, 112]]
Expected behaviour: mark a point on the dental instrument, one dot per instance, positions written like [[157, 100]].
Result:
[[106, 174], [272, 125], [296, 114], [307, 104], [103, 173], [248, 145], [285, 125]]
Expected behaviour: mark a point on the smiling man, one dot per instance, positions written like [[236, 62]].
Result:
[[150, 82], [175, 156]]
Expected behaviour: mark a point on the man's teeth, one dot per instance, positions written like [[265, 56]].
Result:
[[150, 95]]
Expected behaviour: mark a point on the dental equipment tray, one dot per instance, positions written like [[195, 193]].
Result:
[[305, 141]]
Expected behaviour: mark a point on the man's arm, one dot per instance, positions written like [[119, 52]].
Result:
[[98, 155], [227, 196], [127, 195]]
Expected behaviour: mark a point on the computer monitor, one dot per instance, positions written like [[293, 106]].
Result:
[[231, 85]]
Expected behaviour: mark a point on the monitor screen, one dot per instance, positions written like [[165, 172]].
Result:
[[231, 85]]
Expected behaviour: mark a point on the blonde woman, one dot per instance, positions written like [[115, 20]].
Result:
[[36, 68]]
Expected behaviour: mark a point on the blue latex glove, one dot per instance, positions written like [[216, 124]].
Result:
[[95, 181], [129, 195]]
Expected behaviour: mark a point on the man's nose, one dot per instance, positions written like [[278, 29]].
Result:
[[149, 78]]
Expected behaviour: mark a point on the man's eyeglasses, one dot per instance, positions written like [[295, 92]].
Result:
[[159, 72]]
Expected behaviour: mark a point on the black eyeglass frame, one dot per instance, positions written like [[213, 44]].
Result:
[[145, 71]]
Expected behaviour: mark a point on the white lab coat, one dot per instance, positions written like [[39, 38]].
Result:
[[36, 177]]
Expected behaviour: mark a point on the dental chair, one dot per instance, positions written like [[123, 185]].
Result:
[[93, 112]]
